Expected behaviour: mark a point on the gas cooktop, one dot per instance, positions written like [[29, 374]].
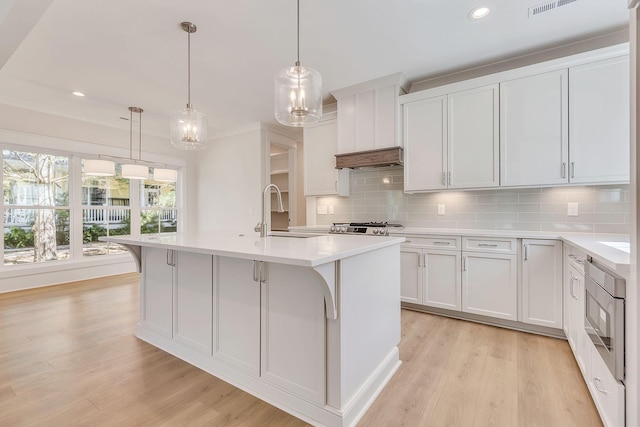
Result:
[[369, 228]]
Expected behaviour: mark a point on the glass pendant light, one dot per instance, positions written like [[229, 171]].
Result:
[[298, 93], [135, 171], [98, 167], [188, 128]]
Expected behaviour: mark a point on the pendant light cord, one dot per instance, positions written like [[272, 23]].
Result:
[[130, 133], [189, 69], [298, 31], [140, 136]]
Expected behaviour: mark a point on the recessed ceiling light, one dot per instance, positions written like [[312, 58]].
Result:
[[479, 12], [76, 93]]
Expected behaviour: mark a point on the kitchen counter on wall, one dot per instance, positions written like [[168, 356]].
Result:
[[604, 248], [308, 323]]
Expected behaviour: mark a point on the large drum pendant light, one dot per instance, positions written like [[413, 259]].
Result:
[[298, 92], [188, 128]]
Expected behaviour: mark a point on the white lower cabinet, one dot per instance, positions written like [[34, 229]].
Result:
[[236, 307], [411, 275], [542, 282], [157, 311], [292, 353], [607, 393], [431, 276], [490, 285], [192, 294]]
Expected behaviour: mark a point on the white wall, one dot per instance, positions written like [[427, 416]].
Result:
[[230, 178]]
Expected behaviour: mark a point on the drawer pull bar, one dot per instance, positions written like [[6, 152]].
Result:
[[441, 243], [488, 245], [596, 382]]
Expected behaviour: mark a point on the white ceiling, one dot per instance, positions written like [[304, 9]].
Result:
[[133, 53]]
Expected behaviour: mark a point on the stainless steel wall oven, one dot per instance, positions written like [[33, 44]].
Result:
[[604, 315]]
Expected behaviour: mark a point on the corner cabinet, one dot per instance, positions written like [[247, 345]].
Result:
[[452, 141], [542, 282], [599, 121], [320, 145]]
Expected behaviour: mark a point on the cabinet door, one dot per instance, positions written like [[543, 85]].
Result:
[[321, 178], [577, 331], [293, 353], [236, 314], [542, 282], [490, 285], [442, 284], [192, 300], [411, 275], [599, 121], [387, 117], [533, 130], [156, 311], [425, 139], [473, 142], [346, 132], [569, 300], [608, 394]]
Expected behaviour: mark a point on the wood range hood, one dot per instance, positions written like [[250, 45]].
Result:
[[370, 158]]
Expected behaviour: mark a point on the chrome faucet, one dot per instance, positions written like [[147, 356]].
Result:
[[262, 225]]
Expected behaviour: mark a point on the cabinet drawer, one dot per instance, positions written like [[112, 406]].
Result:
[[607, 393], [482, 244], [575, 258], [437, 242]]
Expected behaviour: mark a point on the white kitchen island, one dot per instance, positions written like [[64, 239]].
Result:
[[308, 324]]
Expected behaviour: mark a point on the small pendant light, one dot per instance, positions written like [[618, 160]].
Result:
[[135, 171], [298, 93], [98, 167], [165, 175], [188, 128]]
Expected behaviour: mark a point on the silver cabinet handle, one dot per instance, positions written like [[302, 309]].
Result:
[[449, 177], [564, 169], [336, 185], [573, 170], [263, 276], [464, 263], [444, 178], [420, 260], [424, 260], [255, 271], [526, 252], [407, 241], [573, 295], [597, 383], [488, 245], [171, 258], [579, 261], [441, 243]]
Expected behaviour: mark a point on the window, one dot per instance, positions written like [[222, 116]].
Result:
[[35, 207], [105, 212], [158, 212], [52, 211]]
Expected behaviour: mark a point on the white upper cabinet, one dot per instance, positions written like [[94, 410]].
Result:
[[473, 138], [533, 130], [599, 121], [452, 141], [368, 114], [425, 142], [320, 144]]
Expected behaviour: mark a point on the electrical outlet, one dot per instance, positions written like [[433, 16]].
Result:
[[572, 209], [331, 210], [322, 209], [440, 209]]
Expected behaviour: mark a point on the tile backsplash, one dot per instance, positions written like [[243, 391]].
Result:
[[377, 195]]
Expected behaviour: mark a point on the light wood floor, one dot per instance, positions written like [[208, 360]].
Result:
[[69, 357]]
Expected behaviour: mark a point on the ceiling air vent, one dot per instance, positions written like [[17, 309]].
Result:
[[548, 6]]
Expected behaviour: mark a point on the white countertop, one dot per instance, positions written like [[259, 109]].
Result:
[[591, 243], [304, 251]]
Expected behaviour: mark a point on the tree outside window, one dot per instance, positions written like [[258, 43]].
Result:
[[36, 207]]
